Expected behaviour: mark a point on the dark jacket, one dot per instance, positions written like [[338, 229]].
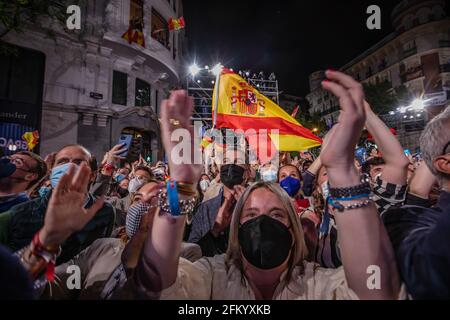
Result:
[[202, 225], [27, 218], [421, 238]]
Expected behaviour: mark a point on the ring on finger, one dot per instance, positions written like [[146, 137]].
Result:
[[174, 122]]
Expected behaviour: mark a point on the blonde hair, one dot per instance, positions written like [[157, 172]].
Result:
[[298, 251]]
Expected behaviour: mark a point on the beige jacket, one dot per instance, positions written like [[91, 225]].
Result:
[[208, 278]]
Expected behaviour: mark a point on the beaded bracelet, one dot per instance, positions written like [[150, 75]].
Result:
[[185, 207], [348, 192], [356, 205]]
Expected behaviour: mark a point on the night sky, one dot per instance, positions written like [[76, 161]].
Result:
[[291, 38]]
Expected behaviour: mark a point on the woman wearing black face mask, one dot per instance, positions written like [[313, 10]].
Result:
[[265, 257]]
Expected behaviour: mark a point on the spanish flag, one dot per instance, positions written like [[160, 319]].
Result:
[[176, 24], [241, 106], [32, 139], [134, 35], [206, 141]]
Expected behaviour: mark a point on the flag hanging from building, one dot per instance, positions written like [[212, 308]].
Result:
[[176, 24], [32, 139], [134, 35], [241, 106]]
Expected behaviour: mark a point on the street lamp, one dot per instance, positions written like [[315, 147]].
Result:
[[194, 69]]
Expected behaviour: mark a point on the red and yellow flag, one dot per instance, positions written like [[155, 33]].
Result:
[[241, 106], [134, 35], [32, 139], [176, 24]]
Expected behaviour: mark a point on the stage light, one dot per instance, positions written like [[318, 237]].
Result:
[[391, 113], [206, 67], [217, 69], [417, 104], [194, 69]]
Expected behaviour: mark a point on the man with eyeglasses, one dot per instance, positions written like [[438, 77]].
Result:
[[20, 172], [19, 224], [421, 235]]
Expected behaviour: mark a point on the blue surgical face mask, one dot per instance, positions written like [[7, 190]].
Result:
[[57, 173], [269, 176], [291, 185], [120, 177], [43, 191]]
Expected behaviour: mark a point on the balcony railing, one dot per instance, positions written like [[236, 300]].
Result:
[[409, 52], [411, 74]]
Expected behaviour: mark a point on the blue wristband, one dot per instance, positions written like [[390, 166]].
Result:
[[359, 196], [172, 195]]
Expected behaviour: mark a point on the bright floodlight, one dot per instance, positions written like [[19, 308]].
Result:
[[206, 67], [417, 104], [391, 113], [217, 69], [194, 69]]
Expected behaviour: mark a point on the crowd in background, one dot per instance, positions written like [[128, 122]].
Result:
[[308, 227]]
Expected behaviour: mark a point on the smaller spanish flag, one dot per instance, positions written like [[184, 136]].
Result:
[[32, 139], [134, 35], [176, 24], [206, 141]]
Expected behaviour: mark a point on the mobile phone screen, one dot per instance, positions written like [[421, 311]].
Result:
[[125, 140]]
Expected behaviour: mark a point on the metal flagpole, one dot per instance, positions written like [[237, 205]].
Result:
[[216, 100]]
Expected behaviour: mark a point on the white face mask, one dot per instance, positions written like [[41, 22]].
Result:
[[135, 184], [204, 184], [269, 176], [325, 190]]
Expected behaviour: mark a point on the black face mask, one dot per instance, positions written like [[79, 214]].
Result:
[[122, 192], [265, 242], [231, 175]]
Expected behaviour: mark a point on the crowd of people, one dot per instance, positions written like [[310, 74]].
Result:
[[334, 226]]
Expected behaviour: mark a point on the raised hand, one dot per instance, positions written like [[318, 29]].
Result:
[[114, 155], [338, 153], [176, 114], [66, 213], [225, 214]]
